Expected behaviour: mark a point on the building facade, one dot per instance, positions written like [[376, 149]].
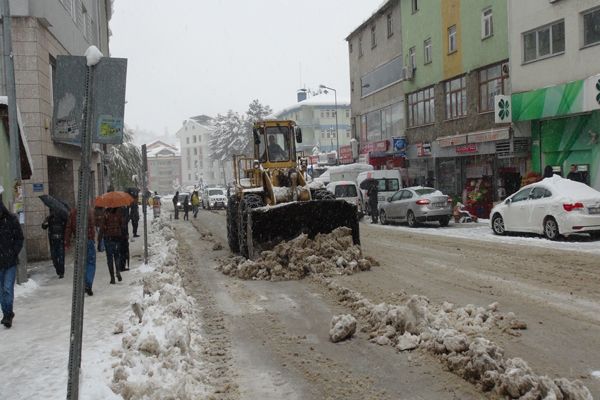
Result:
[[456, 56], [555, 48], [316, 116], [164, 167], [376, 72], [42, 30], [197, 166]]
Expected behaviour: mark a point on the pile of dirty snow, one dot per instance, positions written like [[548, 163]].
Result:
[[342, 327], [328, 254], [159, 356], [453, 334]]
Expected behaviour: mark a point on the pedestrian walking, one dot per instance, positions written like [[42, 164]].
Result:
[[56, 226], [372, 194], [186, 208], [124, 246], [548, 171], [111, 230], [134, 214], [175, 201], [575, 175], [156, 205], [11, 243], [195, 203], [90, 262]]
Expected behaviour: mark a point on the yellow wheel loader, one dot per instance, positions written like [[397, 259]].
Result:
[[271, 201]]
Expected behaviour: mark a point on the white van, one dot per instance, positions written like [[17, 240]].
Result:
[[348, 172], [388, 183], [348, 191]]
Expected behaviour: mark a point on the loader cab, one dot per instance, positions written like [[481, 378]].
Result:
[[275, 143]]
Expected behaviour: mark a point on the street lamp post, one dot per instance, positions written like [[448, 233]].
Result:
[[337, 136]]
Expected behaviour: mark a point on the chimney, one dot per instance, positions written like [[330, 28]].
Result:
[[301, 95]]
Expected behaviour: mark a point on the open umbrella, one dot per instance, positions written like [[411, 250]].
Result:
[[113, 200], [366, 184], [56, 205], [133, 192]]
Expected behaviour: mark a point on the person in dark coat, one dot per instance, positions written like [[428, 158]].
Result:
[[56, 236], [548, 171], [90, 262], [372, 193], [175, 201], [186, 208], [111, 231], [575, 175], [134, 215], [11, 243]]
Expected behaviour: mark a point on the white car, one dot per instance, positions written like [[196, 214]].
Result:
[[214, 198], [348, 191], [553, 207]]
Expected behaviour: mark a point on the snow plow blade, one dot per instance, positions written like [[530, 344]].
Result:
[[268, 226]]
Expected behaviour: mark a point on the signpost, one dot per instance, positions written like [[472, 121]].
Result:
[[89, 107], [145, 200]]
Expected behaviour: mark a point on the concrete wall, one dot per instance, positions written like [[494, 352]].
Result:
[[576, 62]]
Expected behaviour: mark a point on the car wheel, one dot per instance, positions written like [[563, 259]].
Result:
[[382, 218], [444, 221], [410, 218], [498, 225], [551, 229]]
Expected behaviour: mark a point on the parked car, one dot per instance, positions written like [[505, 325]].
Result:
[[348, 191], [181, 199], [214, 197], [416, 204], [552, 207]]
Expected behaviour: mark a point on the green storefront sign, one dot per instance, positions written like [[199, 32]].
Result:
[[565, 125]]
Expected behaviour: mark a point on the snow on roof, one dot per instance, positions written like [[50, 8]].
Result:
[[320, 100], [161, 149]]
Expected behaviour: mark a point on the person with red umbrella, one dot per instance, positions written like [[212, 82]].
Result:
[[111, 231]]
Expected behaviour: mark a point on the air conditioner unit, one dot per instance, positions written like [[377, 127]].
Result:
[[505, 69], [407, 72]]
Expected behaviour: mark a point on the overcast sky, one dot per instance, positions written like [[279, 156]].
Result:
[[190, 57]]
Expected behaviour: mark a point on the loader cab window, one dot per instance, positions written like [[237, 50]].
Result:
[[277, 144]]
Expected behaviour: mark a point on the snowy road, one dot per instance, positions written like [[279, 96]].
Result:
[[553, 286], [274, 337]]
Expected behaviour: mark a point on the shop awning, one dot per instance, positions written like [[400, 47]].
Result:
[[449, 141], [26, 160], [489, 135]]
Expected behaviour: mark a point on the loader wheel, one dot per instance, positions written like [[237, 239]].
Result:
[[232, 225], [249, 202], [323, 194]]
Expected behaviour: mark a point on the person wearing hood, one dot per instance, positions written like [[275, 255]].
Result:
[[11, 243], [175, 201]]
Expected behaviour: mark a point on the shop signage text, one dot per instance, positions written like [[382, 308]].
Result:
[[466, 148], [423, 149], [346, 154], [380, 146]]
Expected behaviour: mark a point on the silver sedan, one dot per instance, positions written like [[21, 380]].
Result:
[[416, 204]]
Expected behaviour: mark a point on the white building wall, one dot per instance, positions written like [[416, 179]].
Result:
[[577, 62]]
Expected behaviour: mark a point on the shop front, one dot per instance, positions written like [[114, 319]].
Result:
[[381, 155], [565, 127], [480, 168]]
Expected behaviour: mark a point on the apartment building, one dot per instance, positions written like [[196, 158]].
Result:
[[555, 75], [164, 167], [42, 30], [377, 98]]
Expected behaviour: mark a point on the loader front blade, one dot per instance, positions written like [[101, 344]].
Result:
[[268, 226]]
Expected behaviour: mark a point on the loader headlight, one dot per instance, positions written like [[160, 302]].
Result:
[[256, 165]]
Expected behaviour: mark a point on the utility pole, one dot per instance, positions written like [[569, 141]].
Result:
[[13, 125], [145, 200]]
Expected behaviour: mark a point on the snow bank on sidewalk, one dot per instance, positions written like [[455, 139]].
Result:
[[454, 335], [329, 254], [160, 352]]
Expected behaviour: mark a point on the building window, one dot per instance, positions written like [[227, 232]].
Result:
[[421, 107], [347, 113], [350, 46], [327, 113], [348, 133], [187, 140], [456, 98], [194, 138], [591, 27], [452, 39], [412, 58], [390, 28], [195, 151], [373, 37], [322, 114], [415, 6], [382, 76], [487, 23], [352, 86], [427, 51], [544, 42], [492, 82], [360, 47]]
